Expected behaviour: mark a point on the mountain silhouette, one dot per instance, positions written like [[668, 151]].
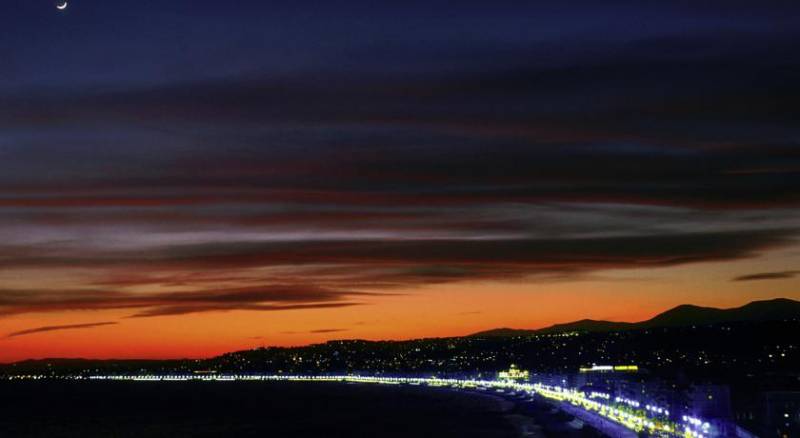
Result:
[[681, 316]]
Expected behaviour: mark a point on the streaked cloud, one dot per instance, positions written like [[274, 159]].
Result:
[[781, 275], [316, 331], [316, 274], [290, 175], [261, 298], [52, 328]]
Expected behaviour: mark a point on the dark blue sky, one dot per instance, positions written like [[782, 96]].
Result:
[[403, 144], [128, 44]]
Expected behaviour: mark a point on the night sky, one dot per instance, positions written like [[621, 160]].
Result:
[[183, 178]]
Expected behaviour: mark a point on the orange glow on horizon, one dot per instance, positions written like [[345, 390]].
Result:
[[452, 309]]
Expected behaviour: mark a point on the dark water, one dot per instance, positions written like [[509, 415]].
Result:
[[247, 409]]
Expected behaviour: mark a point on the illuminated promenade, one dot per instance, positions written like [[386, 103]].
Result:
[[616, 417]]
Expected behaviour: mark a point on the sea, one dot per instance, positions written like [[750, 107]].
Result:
[[106, 409]]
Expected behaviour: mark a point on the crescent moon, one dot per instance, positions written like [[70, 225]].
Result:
[[62, 6]]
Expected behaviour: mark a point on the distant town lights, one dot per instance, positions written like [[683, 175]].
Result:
[[607, 368]]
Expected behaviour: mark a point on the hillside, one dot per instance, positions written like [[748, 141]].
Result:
[[681, 316]]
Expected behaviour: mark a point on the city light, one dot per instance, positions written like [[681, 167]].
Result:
[[608, 368], [585, 405]]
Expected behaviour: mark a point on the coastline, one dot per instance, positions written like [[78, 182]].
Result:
[[524, 425]]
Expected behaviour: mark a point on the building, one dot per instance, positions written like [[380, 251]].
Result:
[[513, 374], [780, 414]]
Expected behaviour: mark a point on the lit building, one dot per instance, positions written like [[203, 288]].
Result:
[[780, 413], [711, 401], [610, 369], [514, 374]]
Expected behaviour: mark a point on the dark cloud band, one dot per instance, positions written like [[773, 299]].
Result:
[[52, 328]]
